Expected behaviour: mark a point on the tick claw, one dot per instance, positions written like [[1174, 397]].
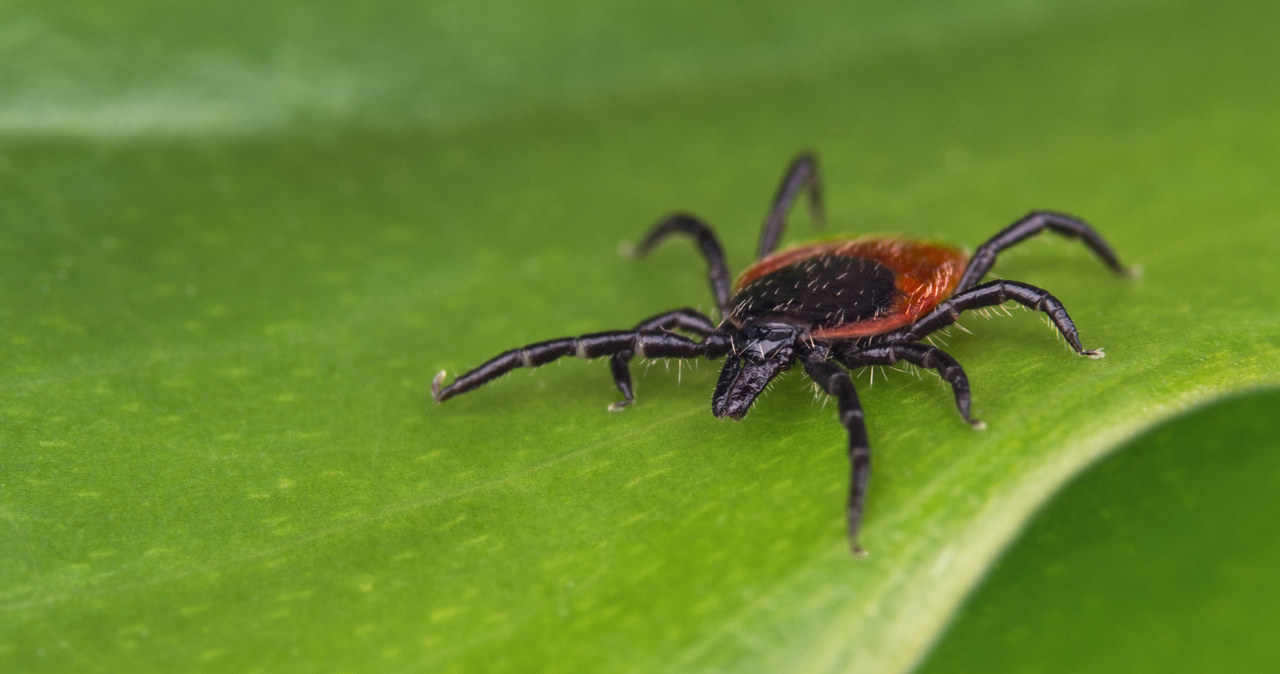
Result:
[[978, 424], [436, 385], [1094, 353]]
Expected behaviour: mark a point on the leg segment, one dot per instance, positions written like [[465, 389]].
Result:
[[1030, 225], [835, 381], [680, 319], [991, 294], [920, 355], [643, 344], [706, 239], [802, 173]]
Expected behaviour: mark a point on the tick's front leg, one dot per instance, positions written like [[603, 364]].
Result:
[[836, 382]]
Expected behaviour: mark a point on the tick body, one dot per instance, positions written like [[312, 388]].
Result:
[[829, 306], [848, 288]]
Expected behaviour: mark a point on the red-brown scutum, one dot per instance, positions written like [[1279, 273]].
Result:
[[925, 274]]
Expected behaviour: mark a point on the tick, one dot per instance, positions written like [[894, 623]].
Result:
[[831, 305]]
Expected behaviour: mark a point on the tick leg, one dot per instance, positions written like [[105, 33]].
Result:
[[706, 239], [680, 319], [643, 344], [920, 355], [802, 173], [991, 294], [836, 382], [1030, 225]]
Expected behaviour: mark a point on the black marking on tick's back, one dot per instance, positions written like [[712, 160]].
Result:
[[818, 292]]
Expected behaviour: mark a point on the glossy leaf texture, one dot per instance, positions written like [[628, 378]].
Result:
[[1175, 578], [238, 241]]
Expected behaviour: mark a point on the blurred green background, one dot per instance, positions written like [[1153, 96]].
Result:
[[238, 240]]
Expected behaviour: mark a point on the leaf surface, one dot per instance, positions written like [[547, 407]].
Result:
[[236, 254]]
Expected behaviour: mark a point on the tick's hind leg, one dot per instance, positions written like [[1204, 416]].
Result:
[[836, 382], [643, 344], [705, 237], [1030, 225], [990, 294], [680, 319], [802, 173], [920, 355]]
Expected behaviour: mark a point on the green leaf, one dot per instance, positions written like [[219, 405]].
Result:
[[1187, 563], [239, 240]]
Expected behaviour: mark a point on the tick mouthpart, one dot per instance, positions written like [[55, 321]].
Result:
[[724, 408], [742, 381]]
